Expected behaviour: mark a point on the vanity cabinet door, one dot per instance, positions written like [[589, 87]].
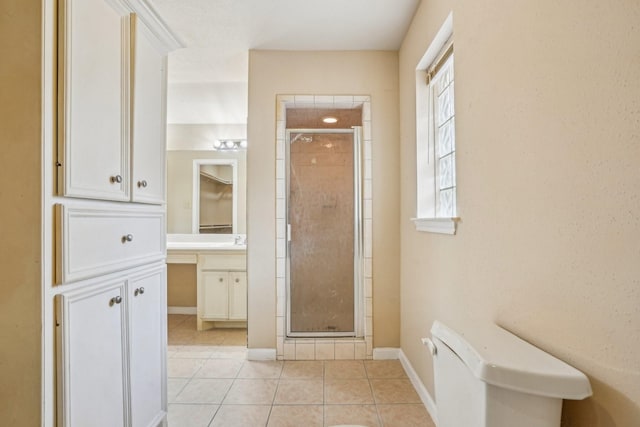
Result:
[[238, 295], [93, 113], [215, 295], [147, 346], [90, 331], [149, 123]]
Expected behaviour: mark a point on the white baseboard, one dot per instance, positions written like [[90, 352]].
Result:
[[261, 354], [182, 310], [386, 353], [426, 398]]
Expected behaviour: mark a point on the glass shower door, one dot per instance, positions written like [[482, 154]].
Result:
[[322, 208]]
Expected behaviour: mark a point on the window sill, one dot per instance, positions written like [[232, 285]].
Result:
[[436, 225]]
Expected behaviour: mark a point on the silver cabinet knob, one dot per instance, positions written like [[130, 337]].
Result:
[[141, 290], [142, 183], [237, 280], [221, 279], [115, 300], [116, 179], [127, 238], [138, 291]]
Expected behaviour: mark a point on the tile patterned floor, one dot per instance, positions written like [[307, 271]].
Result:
[[214, 385], [182, 331]]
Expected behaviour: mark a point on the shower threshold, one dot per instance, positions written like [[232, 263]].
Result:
[[351, 335]]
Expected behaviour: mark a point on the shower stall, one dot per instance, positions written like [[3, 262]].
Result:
[[324, 270]]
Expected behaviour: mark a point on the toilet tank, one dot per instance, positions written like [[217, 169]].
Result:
[[488, 377]]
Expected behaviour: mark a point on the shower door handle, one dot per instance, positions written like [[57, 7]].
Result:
[[288, 232]]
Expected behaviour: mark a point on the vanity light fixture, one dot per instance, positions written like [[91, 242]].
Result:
[[230, 144], [330, 119]]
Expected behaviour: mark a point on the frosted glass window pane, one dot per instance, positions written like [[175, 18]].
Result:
[[443, 82], [445, 105], [446, 205], [438, 180], [447, 172], [444, 76], [446, 138]]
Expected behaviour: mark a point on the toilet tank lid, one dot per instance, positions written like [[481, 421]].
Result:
[[500, 358]]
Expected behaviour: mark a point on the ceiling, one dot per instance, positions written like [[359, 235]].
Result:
[[208, 78]]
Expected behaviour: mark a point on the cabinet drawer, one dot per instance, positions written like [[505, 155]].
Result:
[[91, 241], [223, 261]]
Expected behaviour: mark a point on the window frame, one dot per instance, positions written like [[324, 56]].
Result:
[[435, 58]]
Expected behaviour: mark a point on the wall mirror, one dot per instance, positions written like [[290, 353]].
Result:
[[215, 196], [183, 207]]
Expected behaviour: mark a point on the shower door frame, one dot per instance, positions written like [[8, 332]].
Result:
[[358, 244]]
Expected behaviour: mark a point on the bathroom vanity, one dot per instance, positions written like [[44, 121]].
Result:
[[221, 276]]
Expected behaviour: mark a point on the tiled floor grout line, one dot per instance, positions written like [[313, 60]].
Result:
[[275, 393], [264, 371], [225, 394]]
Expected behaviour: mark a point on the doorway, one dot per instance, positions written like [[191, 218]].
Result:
[[324, 232]]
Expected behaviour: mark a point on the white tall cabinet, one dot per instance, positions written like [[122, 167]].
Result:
[[109, 214], [148, 126]]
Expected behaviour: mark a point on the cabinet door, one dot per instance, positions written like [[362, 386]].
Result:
[[149, 121], [93, 140], [147, 346], [238, 296], [90, 331], [215, 295]]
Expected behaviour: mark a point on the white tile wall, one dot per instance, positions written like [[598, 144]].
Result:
[[323, 349], [345, 350], [305, 350]]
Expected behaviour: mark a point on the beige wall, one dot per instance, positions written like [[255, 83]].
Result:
[[20, 310], [548, 140], [331, 73], [182, 285], [180, 187], [201, 136]]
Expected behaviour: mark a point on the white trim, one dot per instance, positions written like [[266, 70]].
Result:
[[261, 354], [152, 19], [441, 38], [195, 203], [47, 184], [386, 353], [426, 398], [436, 225], [182, 310]]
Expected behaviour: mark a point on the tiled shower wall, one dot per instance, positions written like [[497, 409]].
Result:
[[323, 348]]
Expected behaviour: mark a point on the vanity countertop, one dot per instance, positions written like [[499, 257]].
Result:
[[204, 246], [204, 242]]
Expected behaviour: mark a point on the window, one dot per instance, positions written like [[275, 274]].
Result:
[[436, 137], [443, 134]]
